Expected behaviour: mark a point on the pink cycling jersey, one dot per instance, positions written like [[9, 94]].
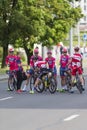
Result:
[[64, 60], [50, 61], [11, 61], [39, 58], [40, 64]]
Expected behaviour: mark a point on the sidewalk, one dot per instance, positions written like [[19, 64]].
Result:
[[3, 77]]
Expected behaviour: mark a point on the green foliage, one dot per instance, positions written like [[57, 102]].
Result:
[[25, 22], [37, 21], [1, 54]]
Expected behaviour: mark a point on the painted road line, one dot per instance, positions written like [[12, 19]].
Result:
[[3, 99], [71, 117]]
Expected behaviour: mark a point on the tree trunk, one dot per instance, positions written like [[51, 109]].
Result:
[[28, 53], [5, 52]]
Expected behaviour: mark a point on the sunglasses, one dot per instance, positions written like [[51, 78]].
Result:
[[64, 52], [11, 51], [36, 53], [49, 53]]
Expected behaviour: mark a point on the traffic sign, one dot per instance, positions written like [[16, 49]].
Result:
[[85, 37]]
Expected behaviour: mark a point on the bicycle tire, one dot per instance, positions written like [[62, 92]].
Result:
[[52, 86], [68, 83], [79, 87], [84, 80], [11, 85], [41, 87]]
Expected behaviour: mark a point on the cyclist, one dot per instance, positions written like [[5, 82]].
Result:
[[19, 72], [14, 63], [43, 70], [51, 63], [76, 66], [11, 59], [31, 70], [64, 61]]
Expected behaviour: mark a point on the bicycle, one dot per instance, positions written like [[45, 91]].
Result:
[[12, 80], [47, 82], [68, 79], [78, 83]]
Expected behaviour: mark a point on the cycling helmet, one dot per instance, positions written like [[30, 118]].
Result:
[[76, 48], [36, 51], [64, 50], [11, 50], [49, 52]]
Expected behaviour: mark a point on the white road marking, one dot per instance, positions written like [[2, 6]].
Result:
[[3, 99], [71, 117]]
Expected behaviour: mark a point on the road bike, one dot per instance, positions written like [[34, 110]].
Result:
[[47, 83], [12, 80], [78, 83]]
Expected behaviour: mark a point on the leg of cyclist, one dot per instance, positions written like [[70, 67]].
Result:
[[36, 83], [26, 84], [55, 74], [19, 81], [63, 79], [28, 74]]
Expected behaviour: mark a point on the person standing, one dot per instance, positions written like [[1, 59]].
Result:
[[64, 61]]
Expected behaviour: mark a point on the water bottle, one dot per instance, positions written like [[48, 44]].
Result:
[[46, 78]]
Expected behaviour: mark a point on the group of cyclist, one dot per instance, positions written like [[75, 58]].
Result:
[[70, 64]]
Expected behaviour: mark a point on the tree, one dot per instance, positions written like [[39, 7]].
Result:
[[6, 13], [59, 17], [25, 22], [33, 27], [47, 22]]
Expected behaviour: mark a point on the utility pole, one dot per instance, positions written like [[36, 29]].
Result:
[[71, 33], [78, 34], [71, 41]]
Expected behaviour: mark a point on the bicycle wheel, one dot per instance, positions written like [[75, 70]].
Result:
[[79, 87], [40, 88], [52, 86], [84, 80], [68, 83], [11, 84]]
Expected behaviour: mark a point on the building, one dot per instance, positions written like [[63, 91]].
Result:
[[83, 21]]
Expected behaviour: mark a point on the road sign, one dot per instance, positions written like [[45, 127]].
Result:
[[85, 37]]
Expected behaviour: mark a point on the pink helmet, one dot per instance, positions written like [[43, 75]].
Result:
[[64, 50], [36, 51], [11, 50], [49, 52]]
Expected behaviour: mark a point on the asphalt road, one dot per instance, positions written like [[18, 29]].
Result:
[[59, 111]]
